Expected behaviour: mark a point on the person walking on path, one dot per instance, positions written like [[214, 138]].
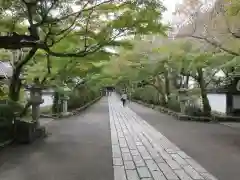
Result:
[[124, 98]]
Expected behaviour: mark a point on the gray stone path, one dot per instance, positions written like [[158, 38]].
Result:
[[45, 121], [79, 148], [232, 124], [141, 152]]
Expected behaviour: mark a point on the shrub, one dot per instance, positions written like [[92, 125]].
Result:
[[75, 101], [193, 110], [81, 97], [146, 94], [7, 117], [174, 104]]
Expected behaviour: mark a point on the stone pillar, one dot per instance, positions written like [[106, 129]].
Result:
[[183, 99], [65, 105], [64, 100]]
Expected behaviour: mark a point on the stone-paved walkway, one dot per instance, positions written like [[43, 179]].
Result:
[[141, 152]]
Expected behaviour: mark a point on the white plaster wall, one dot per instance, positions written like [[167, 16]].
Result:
[[48, 99], [217, 102]]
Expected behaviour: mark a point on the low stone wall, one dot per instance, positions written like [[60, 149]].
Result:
[[183, 117], [78, 110], [223, 118], [73, 112]]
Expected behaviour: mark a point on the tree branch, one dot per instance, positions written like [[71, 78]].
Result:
[[215, 44], [29, 9], [86, 29], [46, 14], [236, 35], [78, 12], [85, 51], [189, 74], [82, 53], [211, 78], [30, 54], [61, 38], [48, 70], [18, 41]]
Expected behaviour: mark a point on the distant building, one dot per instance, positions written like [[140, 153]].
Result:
[[5, 71]]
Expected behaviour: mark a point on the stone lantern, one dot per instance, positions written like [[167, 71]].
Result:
[[183, 98], [65, 99], [35, 99]]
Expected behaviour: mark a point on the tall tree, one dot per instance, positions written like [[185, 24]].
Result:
[[89, 25], [215, 23]]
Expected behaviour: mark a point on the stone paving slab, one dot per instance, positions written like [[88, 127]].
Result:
[[141, 152], [45, 121], [232, 124]]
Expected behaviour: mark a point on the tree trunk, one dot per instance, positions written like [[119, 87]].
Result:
[[167, 83], [15, 85], [159, 87], [163, 100], [56, 107], [205, 101], [15, 82], [17, 41]]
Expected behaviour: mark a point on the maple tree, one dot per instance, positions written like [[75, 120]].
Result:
[[214, 22], [74, 28]]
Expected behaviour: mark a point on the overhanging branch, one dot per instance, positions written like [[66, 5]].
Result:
[[82, 53], [217, 45], [86, 50], [17, 41], [209, 41], [44, 17], [211, 78], [30, 54], [213, 43], [236, 35], [84, 9]]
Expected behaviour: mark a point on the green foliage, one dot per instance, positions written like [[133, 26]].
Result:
[[74, 39], [81, 97], [146, 94], [232, 7], [7, 117], [174, 103], [7, 113], [13, 106], [59, 22], [3, 90], [161, 63], [193, 110]]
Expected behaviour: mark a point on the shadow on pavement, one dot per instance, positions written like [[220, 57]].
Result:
[[78, 148]]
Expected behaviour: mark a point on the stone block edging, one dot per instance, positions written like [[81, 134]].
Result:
[[6, 143], [183, 117], [78, 110], [73, 112]]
